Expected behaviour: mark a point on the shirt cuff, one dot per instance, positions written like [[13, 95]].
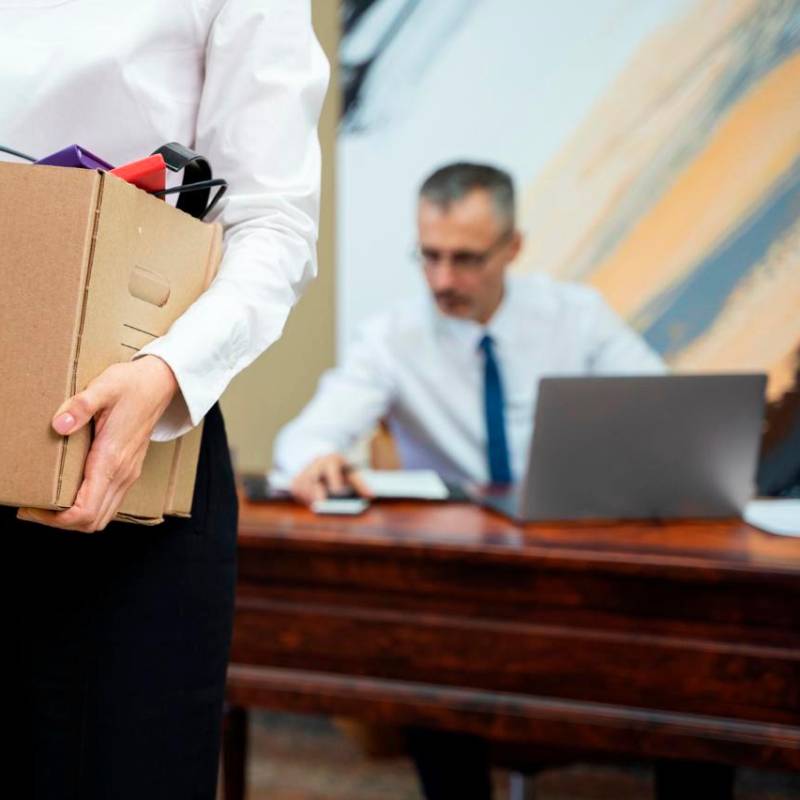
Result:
[[292, 459], [177, 419]]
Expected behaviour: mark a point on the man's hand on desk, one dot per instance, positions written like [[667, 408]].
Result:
[[327, 476]]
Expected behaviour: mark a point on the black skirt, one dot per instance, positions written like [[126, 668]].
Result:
[[118, 643]]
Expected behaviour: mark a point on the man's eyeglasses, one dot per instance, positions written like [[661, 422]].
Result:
[[460, 260]]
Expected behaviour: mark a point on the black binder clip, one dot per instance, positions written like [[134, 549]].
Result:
[[197, 181]]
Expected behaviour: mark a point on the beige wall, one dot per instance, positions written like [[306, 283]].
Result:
[[277, 385]]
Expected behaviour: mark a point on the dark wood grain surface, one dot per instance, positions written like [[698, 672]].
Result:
[[642, 639], [440, 529]]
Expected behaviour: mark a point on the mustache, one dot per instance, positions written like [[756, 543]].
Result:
[[449, 297]]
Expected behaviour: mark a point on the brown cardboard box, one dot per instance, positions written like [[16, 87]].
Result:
[[92, 269]]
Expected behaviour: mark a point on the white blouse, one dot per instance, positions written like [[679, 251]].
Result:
[[240, 81]]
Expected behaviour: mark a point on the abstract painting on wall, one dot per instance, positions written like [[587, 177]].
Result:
[[679, 196]]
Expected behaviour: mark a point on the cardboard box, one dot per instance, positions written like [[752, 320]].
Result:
[[92, 269]]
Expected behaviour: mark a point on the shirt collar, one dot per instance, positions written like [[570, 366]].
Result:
[[467, 334]]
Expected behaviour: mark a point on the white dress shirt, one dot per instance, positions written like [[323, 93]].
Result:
[[240, 81], [423, 372]]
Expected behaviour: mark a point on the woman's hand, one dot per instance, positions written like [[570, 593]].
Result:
[[126, 401]]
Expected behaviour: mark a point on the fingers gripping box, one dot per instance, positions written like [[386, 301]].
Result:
[[92, 270]]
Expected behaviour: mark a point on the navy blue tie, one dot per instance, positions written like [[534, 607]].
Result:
[[494, 408]]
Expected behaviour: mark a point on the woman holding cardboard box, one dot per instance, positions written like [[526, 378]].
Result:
[[121, 638]]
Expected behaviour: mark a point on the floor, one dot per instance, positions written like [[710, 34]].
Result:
[[309, 758]]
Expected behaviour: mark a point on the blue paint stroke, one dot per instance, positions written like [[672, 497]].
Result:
[[687, 310]]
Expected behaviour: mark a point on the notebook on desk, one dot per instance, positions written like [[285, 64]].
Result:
[[638, 447]]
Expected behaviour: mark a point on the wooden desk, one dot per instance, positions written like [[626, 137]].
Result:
[[634, 639]]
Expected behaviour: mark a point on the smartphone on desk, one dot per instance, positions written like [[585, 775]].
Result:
[[340, 506], [257, 489]]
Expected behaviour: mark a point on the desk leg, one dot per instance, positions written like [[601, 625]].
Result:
[[234, 752]]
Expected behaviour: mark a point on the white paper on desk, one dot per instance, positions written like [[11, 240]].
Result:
[[409, 484], [781, 516]]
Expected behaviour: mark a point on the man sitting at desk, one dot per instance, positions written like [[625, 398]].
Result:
[[455, 373]]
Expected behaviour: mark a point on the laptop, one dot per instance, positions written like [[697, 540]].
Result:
[[639, 447]]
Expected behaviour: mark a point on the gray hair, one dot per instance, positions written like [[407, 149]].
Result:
[[453, 182]]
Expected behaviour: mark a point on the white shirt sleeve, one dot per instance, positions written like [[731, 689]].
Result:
[[615, 348], [348, 403], [265, 80]]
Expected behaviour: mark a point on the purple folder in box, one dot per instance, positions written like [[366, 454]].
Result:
[[74, 156]]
